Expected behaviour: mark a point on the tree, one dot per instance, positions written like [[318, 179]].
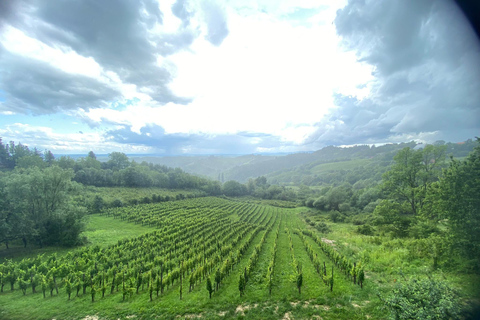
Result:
[[66, 162], [42, 208], [233, 188], [6, 160], [458, 200], [413, 172], [335, 197], [118, 161], [92, 155], [49, 157], [98, 204]]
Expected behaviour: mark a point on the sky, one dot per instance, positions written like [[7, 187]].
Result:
[[235, 76]]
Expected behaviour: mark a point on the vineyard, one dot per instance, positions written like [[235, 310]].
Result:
[[205, 254]]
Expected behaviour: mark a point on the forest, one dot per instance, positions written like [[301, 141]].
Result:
[[342, 233]]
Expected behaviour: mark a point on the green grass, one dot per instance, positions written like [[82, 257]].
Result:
[[347, 301], [105, 231], [100, 230], [340, 165]]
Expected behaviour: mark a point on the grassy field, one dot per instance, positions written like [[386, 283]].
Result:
[[100, 230], [341, 165], [316, 301]]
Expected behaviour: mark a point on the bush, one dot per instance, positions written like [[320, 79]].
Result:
[[344, 207], [336, 216], [423, 299], [309, 203], [358, 222], [366, 230], [322, 227], [117, 203]]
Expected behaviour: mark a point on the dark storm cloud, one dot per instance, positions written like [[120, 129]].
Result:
[[426, 62], [154, 136], [116, 34], [216, 19], [36, 87]]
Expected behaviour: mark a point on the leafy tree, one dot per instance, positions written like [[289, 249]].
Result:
[[49, 157], [335, 197], [394, 216], [6, 160], [117, 161], [233, 188], [98, 204], [41, 206], [117, 203], [458, 200], [413, 172], [30, 161], [65, 162]]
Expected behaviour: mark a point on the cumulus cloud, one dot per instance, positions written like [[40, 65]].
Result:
[[35, 87], [426, 83], [125, 39], [242, 76]]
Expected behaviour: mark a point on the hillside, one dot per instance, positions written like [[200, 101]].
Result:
[[296, 168]]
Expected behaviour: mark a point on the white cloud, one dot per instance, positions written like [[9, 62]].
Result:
[[47, 138], [267, 76], [64, 59]]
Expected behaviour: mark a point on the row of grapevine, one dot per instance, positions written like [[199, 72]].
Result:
[[193, 243], [271, 265], [297, 267], [252, 261], [322, 271], [352, 270]]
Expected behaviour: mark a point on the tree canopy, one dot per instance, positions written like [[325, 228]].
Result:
[[37, 205]]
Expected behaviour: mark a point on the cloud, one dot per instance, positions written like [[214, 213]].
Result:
[[155, 138], [31, 86], [124, 39], [216, 19], [182, 10], [426, 74], [48, 138]]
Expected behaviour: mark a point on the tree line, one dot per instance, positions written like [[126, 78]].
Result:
[[424, 195]]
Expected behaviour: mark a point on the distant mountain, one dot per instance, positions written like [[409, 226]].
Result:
[[293, 169]]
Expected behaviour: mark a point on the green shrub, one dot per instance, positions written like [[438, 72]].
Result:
[[322, 227], [423, 299], [336, 216], [366, 230], [358, 222]]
